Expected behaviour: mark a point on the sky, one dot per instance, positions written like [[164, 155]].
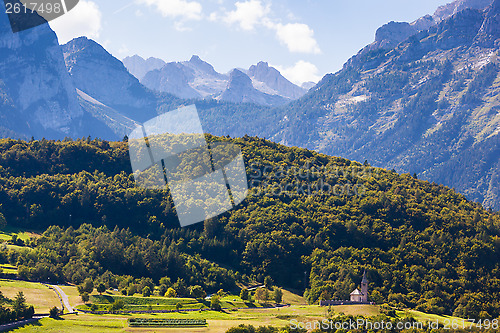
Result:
[[304, 39]]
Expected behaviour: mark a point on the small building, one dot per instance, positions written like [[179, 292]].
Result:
[[357, 296], [361, 296]]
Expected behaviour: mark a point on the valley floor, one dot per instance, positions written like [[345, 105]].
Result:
[[44, 298]]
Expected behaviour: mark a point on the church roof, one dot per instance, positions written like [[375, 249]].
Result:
[[364, 280], [356, 292]]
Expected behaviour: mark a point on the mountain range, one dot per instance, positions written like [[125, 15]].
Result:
[[429, 105], [37, 95], [422, 98], [198, 79]]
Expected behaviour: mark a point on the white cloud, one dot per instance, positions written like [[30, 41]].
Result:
[[247, 14], [298, 37], [186, 10], [301, 72], [123, 50], [213, 17], [83, 20]]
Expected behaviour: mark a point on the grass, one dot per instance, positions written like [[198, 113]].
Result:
[[137, 303], [6, 268], [233, 301], [7, 233], [135, 300], [426, 317], [76, 324], [38, 295], [218, 322], [292, 298], [363, 310], [4, 246], [73, 295]]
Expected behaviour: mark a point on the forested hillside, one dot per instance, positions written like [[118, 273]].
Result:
[[423, 245], [427, 104]]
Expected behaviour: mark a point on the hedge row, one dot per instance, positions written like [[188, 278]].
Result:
[[166, 322]]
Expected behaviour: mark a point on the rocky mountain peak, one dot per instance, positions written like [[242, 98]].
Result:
[[138, 66], [489, 34], [239, 80], [424, 23], [36, 82], [241, 90], [262, 71], [85, 48], [448, 10], [201, 65], [103, 77], [173, 78], [393, 33], [270, 80], [261, 66]]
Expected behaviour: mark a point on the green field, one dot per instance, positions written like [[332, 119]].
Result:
[[136, 303], [38, 295], [9, 269], [7, 234], [426, 317], [164, 322], [218, 322]]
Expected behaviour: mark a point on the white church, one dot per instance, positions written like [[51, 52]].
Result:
[[357, 296], [361, 296]]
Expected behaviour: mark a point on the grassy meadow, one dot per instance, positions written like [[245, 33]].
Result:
[[38, 295]]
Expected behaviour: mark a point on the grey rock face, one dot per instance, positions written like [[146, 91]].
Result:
[[448, 10], [198, 79], [489, 35], [172, 78], [393, 33], [138, 67], [241, 90], [103, 77], [429, 105], [271, 80], [36, 84]]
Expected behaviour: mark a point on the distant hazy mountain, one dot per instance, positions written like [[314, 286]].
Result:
[[430, 104], [307, 85], [269, 80], [241, 90], [172, 78], [188, 79], [198, 79], [205, 79], [104, 78], [138, 67], [423, 98]]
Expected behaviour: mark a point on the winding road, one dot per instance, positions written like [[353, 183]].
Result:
[[64, 298]]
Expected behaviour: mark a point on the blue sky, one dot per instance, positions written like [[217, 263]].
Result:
[[305, 39]]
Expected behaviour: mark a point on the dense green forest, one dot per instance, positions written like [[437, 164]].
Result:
[[311, 221]]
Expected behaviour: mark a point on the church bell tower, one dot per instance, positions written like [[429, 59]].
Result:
[[364, 288]]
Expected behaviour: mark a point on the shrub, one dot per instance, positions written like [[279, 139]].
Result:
[[54, 312]]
